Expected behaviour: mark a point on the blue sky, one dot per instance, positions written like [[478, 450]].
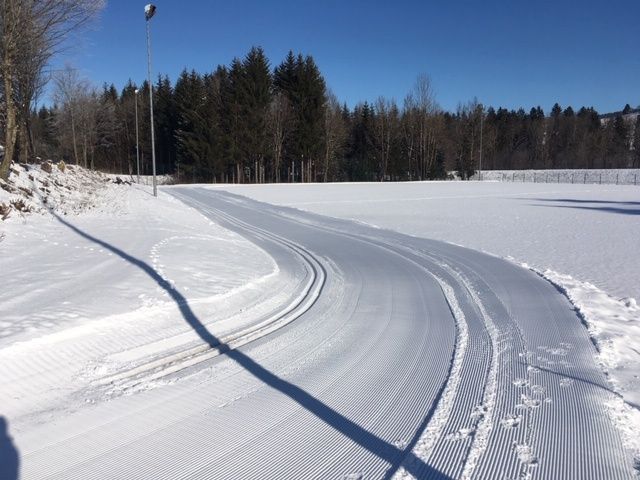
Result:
[[505, 53]]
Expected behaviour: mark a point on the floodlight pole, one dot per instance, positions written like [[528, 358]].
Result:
[[481, 125], [149, 11], [137, 141]]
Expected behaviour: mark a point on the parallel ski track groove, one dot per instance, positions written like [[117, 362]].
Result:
[[288, 313], [499, 462], [499, 351]]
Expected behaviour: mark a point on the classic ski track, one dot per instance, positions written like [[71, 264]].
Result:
[[158, 368], [488, 428], [468, 455], [442, 373], [487, 422]]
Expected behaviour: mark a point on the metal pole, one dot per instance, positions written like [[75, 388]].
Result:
[[137, 144], [481, 125], [153, 142]]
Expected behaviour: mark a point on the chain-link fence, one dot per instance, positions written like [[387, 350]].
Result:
[[606, 177]]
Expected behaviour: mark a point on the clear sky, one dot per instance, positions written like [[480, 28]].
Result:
[[504, 52]]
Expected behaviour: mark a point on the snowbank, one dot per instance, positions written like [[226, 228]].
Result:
[[614, 326], [78, 302], [63, 189]]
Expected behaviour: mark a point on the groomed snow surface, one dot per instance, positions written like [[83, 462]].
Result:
[[583, 238], [96, 294]]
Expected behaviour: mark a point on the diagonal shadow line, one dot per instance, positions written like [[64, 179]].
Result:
[[379, 447], [621, 211], [583, 380], [580, 201]]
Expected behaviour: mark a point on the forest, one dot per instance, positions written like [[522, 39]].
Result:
[[251, 122]]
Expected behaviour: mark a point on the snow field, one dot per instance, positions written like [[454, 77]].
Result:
[[587, 232], [77, 310], [496, 377]]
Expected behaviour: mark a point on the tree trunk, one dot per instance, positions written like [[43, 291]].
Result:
[[23, 151], [73, 135], [11, 131]]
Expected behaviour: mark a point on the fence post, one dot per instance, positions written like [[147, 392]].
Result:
[[617, 177], [572, 178], [600, 178], [546, 177], [513, 176], [585, 178]]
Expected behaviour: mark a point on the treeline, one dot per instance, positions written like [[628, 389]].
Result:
[[249, 122]]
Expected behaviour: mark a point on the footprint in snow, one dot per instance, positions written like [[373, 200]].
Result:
[[521, 383], [400, 444], [461, 434], [525, 455], [353, 476], [566, 382], [558, 351], [538, 390], [479, 411], [511, 421], [528, 403]]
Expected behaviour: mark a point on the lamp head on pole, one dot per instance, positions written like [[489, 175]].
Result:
[[136, 91], [149, 11]]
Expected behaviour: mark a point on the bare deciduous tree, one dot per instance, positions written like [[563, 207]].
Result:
[[69, 91], [85, 121], [31, 32], [280, 117], [335, 133], [387, 122]]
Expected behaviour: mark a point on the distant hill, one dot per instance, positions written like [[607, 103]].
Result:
[[629, 114]]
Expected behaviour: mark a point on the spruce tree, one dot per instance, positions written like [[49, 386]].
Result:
[[165, 118], [231, 119], [301, 81], [192, 145], [255, 96]]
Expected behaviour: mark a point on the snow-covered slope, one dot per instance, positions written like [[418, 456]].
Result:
[[73, 287]]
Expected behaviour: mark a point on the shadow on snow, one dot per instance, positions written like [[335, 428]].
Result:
[[379, 447], [608, 206], [9, 457]]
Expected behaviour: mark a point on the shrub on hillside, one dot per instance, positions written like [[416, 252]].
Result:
[[5, 210], [21, 206]]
